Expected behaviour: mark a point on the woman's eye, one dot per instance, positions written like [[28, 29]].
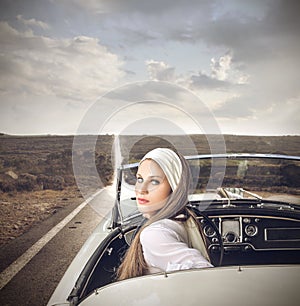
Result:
[[155, 182], [139, 180]]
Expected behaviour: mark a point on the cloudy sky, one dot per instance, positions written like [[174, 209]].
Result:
[[239, 57]]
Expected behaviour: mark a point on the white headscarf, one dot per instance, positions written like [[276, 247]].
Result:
[[169, 162]]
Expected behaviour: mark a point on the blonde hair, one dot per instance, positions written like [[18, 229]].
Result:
[[134, 264]]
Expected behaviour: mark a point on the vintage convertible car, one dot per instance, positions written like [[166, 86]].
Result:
[[250, 215]]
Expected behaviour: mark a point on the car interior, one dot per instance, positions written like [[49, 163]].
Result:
[[238, 236], [238, 226]]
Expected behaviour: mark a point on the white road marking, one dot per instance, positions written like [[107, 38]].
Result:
[[20, 263]]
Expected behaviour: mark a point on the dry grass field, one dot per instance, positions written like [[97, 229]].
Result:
[[36, 173]]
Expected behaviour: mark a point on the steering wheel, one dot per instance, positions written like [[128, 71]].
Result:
[[217, 233]]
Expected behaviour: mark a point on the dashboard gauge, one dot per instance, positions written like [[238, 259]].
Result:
[[251, 230], [209, 231]]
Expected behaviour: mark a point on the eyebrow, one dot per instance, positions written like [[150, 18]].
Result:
[[151, 176]]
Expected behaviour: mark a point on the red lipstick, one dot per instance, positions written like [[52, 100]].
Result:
[[142, 201]]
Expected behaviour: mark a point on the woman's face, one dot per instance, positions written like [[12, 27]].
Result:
[[152, 187]]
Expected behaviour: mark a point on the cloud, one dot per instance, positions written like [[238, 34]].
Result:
[[160, 71], [223, 74], [144, 7], [270, 119], [204, 81], [233, 94], [249, 30], [271, 31], [272, 86], [221, 67], [33, 22], [240, 57], [78, 68], [282, 18]]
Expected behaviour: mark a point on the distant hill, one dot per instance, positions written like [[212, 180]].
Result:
[[288, 145]]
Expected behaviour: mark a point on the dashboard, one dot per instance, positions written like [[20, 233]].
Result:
[[250, 239]]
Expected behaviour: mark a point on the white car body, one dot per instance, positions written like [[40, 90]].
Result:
[[264, 236]]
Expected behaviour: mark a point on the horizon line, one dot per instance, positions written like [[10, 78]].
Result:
[[162, 134]]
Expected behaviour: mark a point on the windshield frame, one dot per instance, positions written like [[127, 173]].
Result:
[[117, 216]]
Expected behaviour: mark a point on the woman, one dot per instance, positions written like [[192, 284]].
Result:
[[162, 186]]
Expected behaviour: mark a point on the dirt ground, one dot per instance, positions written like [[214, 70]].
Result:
[[19, 211]]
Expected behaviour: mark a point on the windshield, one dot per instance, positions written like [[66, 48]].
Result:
[[243, 176]]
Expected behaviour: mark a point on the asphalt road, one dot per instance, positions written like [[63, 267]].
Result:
[[34, 284]]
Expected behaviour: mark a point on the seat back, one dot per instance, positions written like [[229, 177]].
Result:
[[195, 239]]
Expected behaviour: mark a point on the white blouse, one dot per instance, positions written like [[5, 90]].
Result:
[[165, 248]]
